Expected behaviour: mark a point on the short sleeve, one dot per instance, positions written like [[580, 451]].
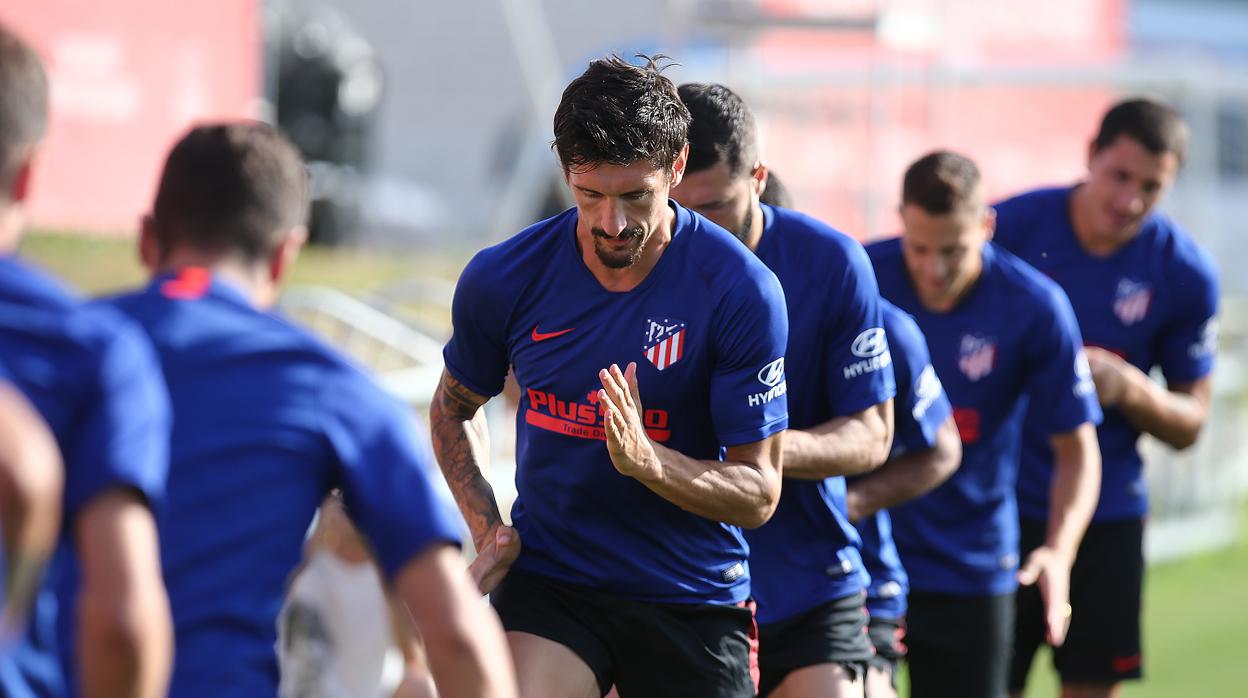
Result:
[[476, 354], [122, 440], [857, 355], [1059, 380], [922, 405], [387, 472], [748, 386], [1190, 337]]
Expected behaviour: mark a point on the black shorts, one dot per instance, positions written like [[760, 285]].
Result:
[[886, 636], [830, 633], [958, 646], [644, 649], [1106, 583]]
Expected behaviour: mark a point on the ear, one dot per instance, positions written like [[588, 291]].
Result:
[[758, 179], [149, 244], [21, 180], [283, 258], [678, 166]]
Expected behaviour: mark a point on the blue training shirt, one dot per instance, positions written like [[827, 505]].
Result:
[[267, 421], [707, 328], [93, 378], [1011, 339], [1153, 302], [921, 407], [838, 363]]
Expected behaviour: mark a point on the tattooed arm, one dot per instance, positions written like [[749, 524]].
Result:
[[461, 444]]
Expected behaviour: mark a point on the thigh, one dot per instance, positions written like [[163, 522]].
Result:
[[666, 650], [548, 669], [1106, 586], [555, 634], [1029, 623], [832, 635], [820, 681], [958, 645]]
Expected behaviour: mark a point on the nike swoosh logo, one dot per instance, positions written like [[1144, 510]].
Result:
[[543, 336]]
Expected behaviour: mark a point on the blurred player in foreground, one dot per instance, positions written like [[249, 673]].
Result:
[[100, 624], [267, 420]]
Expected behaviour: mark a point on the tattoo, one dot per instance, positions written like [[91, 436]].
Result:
[[459, 445]]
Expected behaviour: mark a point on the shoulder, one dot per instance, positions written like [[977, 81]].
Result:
[[1021, 215], [522, 255], [720, 261], [1023, 286], [1182, 256], [1033, 201], [25, 284], [900, 326]]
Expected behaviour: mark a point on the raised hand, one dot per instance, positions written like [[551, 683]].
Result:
[[630, 448]]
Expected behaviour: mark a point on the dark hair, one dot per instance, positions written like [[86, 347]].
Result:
[[722, 129], [940, 182], [1152, 124], [231, 188], [23, 104], [776, 194], [617, 113]]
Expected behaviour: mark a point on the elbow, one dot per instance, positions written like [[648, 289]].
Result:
[[764, 506], [1184, 439], [948, 450]]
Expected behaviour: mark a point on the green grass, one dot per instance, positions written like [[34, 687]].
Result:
[[102, 265], [1195, 630]]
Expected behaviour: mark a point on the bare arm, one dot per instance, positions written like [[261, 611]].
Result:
[[743, 489], [1072, 501], [906, 477], [125, 635], [467, 650], [461, 445], [31, 478], [1174, 414], [848, 445]]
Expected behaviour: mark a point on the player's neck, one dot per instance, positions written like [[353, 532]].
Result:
[[251, 279], [948, 300], [758, 222], [627, 278], [1093, 241], [12, 223]]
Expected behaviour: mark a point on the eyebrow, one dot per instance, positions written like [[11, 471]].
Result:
[[643, 190]]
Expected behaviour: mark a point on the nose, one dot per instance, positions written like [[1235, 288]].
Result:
[[1130, 200], [611, 219]]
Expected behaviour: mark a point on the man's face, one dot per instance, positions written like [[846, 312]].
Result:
[[620, 206], [1124, 183], [728, 200], [944, 253]]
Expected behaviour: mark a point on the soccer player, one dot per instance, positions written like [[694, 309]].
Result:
[[926, 452], [1145, 295], [1001, 335], [626, 563], [267, 420], [806, 569], [31, 482], [93, 379]]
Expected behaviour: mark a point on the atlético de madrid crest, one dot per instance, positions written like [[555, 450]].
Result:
[[976, 356], [665, 342], [1132, 300]]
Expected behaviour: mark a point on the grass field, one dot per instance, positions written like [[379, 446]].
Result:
[[1195, 628], [1196, 617]]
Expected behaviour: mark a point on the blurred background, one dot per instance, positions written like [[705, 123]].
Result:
[[427, 129]]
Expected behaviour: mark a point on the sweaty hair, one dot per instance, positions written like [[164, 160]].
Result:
[[722, 129], [1152, 124], [617, 113], [776, 194], [231, 188], [941, 182], [23, 104]]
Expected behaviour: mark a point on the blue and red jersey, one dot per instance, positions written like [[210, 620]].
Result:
[[707, 328], [267, 420], [919, 410], [838, 363], [1153, 302], [93, 378], [1012, 340]]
